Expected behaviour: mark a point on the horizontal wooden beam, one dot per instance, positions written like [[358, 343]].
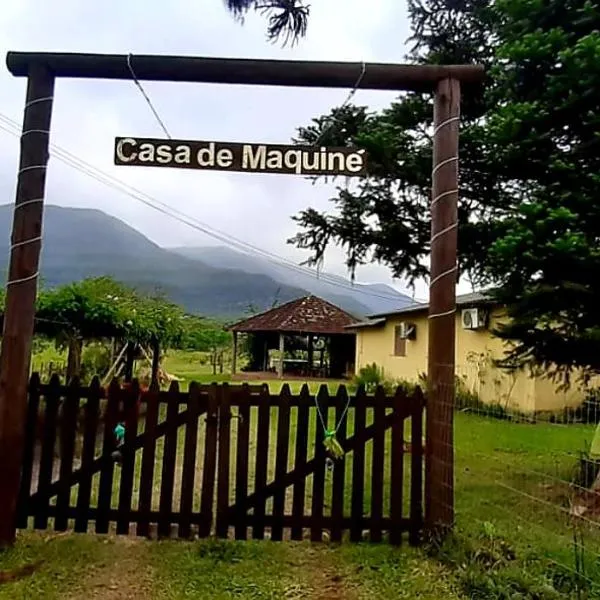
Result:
[[293, 73]]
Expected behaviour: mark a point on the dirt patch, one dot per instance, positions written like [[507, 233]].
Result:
[[20, 572], [124, 575], [325, 580]]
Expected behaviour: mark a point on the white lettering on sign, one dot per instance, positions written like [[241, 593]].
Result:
[[254, 160], [257, 158]]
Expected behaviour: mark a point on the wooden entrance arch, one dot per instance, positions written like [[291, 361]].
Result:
[[42, 69]]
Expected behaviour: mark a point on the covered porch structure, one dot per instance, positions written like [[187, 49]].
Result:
[[309, 334]]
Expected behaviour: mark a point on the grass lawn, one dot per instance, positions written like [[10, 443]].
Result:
[[515, 539], [508, 485], [78, 566]]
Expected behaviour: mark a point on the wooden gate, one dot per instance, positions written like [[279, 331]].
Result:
[[230, 461]]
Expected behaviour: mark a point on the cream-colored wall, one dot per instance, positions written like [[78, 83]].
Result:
[[475, 351]]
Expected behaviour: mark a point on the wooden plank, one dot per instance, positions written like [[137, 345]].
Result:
[[30, 443], [358, 466], [318, 492], [108, 465], [262, 461], [148, 461], [68, 429], [281, 461], [300, 461], [168, 463], [134, 516], [397, 471], [245, 71], [52, 401], [377, 467], [339, 468], [130, 401], [241, 466], [416, 473], [90, 429], [224, 453], [188, 473], [210, 462]]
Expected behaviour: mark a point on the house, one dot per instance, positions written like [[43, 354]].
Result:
[[397, 342], [311, 332]]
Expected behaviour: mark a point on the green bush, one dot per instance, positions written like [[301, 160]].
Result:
[[370, 377]]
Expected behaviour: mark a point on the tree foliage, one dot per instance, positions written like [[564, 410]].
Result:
[[203, 335], [385, 218], [529, 222], [545, 137], [287, 20], [97, 308]]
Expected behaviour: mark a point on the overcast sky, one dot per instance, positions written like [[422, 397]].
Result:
[[89, 114]]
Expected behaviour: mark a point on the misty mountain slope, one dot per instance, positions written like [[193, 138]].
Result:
[[373, 298], [82, 243]]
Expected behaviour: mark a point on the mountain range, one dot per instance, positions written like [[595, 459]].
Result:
[[212, 281]]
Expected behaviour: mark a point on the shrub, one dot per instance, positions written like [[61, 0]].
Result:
[[370, 376]]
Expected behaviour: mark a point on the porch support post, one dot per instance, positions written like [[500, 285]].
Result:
[[281, 354], [234, 357]]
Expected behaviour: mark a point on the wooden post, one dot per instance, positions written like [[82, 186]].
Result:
[[155, 363], [21, 290], [439, 473], [234, 357], [129, 361], [311, 356], [281, 354]]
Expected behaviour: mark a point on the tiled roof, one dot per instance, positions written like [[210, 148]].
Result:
[[304, 315]]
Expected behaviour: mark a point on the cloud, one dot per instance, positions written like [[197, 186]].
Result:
[[89, 114]]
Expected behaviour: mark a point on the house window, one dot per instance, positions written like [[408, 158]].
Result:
[[399, 342]]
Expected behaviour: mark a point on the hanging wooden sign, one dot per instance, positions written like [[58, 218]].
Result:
[[239, 157]]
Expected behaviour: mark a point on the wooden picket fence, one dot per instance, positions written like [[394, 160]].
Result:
[[230, 461]]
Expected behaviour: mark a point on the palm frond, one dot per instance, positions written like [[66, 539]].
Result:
[[287, 19]]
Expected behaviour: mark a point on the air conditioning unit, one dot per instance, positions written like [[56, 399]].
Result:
[[408, 331], [473, 318]]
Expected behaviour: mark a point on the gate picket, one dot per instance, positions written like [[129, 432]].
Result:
[[300, 460], [358, 466], [46, 468], [167, 481], [262, 462], [223, 473], [68, 429], [148, 460], [318, 492], [377, 465], [241, 464], [210, 456], [90, 428], [188, 472], [339, 468], [397, 471], [281, 460], [107, 467], [29, 451], [130, 407]]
